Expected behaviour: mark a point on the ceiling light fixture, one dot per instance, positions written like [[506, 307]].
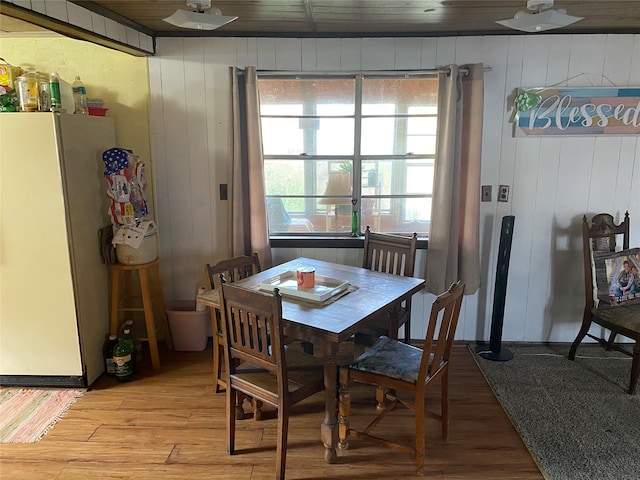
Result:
[[205, 17], [542, 18]]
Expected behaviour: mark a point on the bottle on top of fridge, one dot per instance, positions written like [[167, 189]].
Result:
[[28, 90], [80, 97], [54, 87]]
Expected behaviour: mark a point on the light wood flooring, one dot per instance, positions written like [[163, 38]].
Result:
[[169, 424]]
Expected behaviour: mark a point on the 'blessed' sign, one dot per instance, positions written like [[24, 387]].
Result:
[[578, 111]]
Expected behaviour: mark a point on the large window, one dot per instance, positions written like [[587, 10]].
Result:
[[335, 145]]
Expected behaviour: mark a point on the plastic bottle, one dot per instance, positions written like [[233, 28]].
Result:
[[29, 91], [80, 97], [44, 94], [109, 345], [54, 86], [123, 357]]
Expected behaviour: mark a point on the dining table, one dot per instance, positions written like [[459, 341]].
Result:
[[328, 322]]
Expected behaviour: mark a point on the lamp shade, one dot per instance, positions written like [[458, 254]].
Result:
[[209, 20], [338, 183]]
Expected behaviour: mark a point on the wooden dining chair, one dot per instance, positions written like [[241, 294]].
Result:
[[599, 237], [404, 368], [394, 254], [259, 364], [233, 269]]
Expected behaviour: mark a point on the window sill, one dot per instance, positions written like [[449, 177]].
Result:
[[300, 241]]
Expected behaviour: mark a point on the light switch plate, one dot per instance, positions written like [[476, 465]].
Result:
[[503, 193], [486, 193]]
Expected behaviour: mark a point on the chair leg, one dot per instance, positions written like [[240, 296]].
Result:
[[217, 356], [612, 337], [586, 323], [238, 406], [231, 419], [283, 430], [344, 407], [257, 409], [445, 403], [381, 398], [420, 447], [407, 330], [635, 368]]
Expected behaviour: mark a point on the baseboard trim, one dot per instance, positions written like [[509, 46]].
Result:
[[42, 381]]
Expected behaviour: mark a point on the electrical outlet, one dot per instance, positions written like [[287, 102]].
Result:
[[503, 193], [486, 193]]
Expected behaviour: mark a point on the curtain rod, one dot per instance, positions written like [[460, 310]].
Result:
[[428, 71]]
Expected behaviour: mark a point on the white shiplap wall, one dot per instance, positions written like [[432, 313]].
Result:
[[554, 181]]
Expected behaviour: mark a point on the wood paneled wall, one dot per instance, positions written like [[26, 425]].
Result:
[[554, 181]]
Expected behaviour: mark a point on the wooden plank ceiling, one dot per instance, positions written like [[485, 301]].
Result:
[[367, 17]]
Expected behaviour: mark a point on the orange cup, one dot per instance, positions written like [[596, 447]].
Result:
[[306, 277]]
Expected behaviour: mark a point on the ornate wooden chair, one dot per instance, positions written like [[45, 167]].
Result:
[[403, 368], [394, 254], [259, 364], [600, 237], [233, 269]]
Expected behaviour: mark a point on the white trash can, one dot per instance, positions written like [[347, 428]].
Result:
[[188, 326]]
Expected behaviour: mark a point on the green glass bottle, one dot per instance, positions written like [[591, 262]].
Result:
[[123, 358], [354, 224]]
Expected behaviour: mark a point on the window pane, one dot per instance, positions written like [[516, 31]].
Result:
[[378, 136], [397, 177], [284, 177], [399, 215], [282, 136], [282, 216], [403, 92], [335, 137], [422, 126], [419, 178], [421, 144], [308, 92]]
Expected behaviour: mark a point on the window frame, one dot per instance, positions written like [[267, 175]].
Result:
[[328, 238]]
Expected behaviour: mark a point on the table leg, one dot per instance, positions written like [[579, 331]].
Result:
[[329, 427]]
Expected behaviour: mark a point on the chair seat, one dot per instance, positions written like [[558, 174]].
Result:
[[303, 370], [390, 358], [627, 317]]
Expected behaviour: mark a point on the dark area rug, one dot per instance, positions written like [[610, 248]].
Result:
[[576, 418]]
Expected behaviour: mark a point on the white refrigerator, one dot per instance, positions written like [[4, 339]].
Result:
[[53, 286]]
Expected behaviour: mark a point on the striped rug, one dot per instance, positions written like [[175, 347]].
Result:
[[27, 414]]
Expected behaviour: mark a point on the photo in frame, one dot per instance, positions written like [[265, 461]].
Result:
[[618, 277]]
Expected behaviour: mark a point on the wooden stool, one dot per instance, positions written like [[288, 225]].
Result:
[[149, 276]]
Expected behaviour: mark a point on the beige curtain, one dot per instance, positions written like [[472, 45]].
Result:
[[454, 244], [249, 229]]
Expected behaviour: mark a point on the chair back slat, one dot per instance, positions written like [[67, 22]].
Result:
[[234, 269], [252, 328], [445, 312], [394, 254]]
